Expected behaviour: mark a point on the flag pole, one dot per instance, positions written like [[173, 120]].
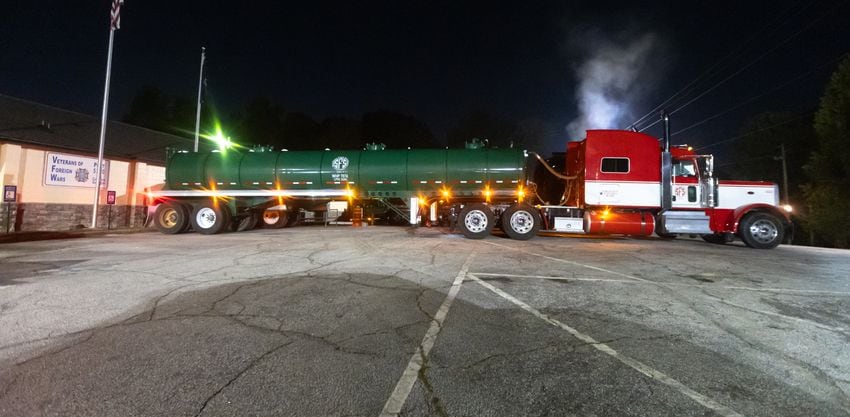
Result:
[[99, 166], [198, 111]]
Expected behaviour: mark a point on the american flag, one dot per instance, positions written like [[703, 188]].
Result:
[[115, 14]]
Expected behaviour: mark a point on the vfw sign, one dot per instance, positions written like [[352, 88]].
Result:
[[73, 170]]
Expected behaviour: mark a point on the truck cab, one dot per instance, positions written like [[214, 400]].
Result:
[[618, 182]]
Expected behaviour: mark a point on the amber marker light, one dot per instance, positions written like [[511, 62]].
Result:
[[279, 194], [350, 194], [487, 193], [446, 193]]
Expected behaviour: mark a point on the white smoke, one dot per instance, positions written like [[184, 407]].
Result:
[[612, 78]]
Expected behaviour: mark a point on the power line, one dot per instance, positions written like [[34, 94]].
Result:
[[758, 96], [737, 51], [759, 58], [734, 138]]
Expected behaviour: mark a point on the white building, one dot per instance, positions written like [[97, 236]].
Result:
[[50, 156]]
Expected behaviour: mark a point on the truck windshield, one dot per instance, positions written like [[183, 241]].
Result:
[[684, 168]]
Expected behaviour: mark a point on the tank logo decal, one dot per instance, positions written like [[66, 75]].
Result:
[[339, 163]]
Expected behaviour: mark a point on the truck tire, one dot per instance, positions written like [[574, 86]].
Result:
[[476, 221], [275, 219], [209, 218], [171, 218], [761, 231], [521, 221]]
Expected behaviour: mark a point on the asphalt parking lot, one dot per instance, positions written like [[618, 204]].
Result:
[[382, 321]]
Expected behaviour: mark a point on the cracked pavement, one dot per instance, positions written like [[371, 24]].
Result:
[[323, 321]]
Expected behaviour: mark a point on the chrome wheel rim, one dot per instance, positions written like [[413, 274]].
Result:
[[764, 231], [522, 222], [271, 217], [205, 218], [168, 218], [475, 221]]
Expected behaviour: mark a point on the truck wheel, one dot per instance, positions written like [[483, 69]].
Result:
[[718, 238], [761, 231], [171, 218], [476, 221], [275, 219], [521, 221], [248, 222], [209, 218]]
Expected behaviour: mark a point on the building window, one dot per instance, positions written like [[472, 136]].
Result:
[[615, 165]]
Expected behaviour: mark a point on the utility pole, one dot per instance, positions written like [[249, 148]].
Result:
[[198, 111], [784, 171], [114, 24]]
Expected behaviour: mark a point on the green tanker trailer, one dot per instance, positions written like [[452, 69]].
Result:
[[212, 192]]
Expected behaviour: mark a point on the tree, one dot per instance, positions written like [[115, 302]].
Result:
[[531, 134], [396, 130], [481, 125], [148, 109], [155, 110], [300, 131], [756, 151], [338, 133], [828, 192], [261, 124]]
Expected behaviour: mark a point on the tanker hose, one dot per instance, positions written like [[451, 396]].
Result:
[[552, 170], [533, 188]]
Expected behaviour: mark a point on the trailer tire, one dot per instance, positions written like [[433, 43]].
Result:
[[521, 221], [171, 218], [476, 221], [248, 222], [210, 218], [275, 219], [761, 231]]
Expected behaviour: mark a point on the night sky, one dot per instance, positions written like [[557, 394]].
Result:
[[434, 60]]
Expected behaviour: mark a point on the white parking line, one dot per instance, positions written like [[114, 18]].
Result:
[[671, 284], [783, 316], [626, 360], [595, 268], [411, 373]]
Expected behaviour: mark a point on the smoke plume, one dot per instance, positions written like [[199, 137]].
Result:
[[612, 78]]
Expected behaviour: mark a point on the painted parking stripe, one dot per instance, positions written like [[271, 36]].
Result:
[[783, 316], [671, 284], [626, 360], [402, 389], [595, 268]]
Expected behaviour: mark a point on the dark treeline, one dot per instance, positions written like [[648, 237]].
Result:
[[817, 161], [263, 122]]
